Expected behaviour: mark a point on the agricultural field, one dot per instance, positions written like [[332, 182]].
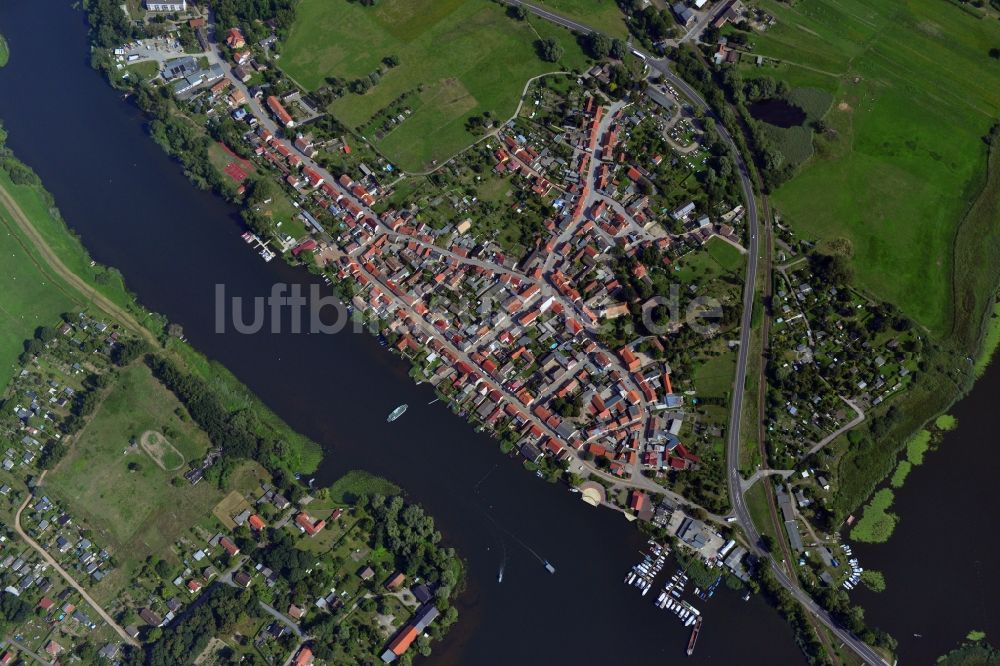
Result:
[[903, 158], [457, 59], [135, 496]]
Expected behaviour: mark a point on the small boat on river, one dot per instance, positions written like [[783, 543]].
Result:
[[396, 413]]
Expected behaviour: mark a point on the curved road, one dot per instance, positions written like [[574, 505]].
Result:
[[733, 478], [62, 572]]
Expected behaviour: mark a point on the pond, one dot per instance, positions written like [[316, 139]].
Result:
[[778, 112]]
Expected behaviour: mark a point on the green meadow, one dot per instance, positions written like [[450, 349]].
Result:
[[457, 59], [601, 15], [34, 297], [120, 490], [904, 161]]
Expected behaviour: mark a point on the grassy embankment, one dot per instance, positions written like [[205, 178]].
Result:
[[900, 175], [457, 59], [601, 15], [46, 295]]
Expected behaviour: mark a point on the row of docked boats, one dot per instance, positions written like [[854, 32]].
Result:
[[642, 574], [266, 253], [854, 579], [670, 600]]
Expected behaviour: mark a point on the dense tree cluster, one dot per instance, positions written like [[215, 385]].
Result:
[[830, 269], [13, 610], [183, 140], [549, 49], [238, 433], [568, 406], [599, 46], [409, 533], [218, 609], [251, 15], [109, 25], [852, 617]]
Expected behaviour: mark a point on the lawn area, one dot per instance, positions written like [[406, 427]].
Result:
[[4, 51], [914, 93], [756, 499], [726, 255], [34, 297], [457, 58], [601, 15], [139, 511], [714, 376]]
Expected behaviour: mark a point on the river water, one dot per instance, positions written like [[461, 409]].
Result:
[[941, 562], [135, 210]]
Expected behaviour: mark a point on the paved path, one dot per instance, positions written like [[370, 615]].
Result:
[[62, 572], [21, 647], [761, 473], [860, 416]]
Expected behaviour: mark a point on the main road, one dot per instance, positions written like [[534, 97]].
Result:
[[661, 65]]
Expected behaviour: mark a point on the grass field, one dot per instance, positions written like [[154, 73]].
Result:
[[458, 57], [714, 376], [756, 500], [140, 512], [914, 92], [4, 51], [33, 298], [727, 256], [601, 15]]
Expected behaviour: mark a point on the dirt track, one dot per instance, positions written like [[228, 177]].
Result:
[[53, 261]]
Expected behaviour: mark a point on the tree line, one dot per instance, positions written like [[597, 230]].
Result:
[[237, 433]]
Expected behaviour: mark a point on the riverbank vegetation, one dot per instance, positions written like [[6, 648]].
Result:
[[976, 651], [873, 580], [876, 523], [356, 484], [792, 611], [945, 422]]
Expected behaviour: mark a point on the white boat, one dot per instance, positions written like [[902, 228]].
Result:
[[396, 413]]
